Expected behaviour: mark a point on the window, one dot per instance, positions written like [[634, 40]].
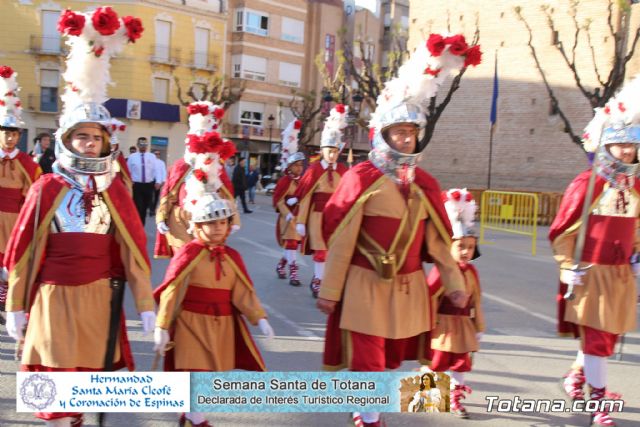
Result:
[[50, 35], [163, 40], [201, 53], [49, 90], [292, 30], [251, 113], [160, 90], [290, 74], [252, 22], [249, 67]]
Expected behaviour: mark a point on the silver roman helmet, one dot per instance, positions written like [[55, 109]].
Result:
[[210, 207], [295, 157]]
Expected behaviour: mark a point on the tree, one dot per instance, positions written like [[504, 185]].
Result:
[[218, 90], [304, 108], [620, 55]]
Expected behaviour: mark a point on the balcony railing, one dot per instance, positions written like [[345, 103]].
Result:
[[204, 61], [47, 45], [161, 54]]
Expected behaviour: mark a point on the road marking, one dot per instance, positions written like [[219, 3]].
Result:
[[296, 327], [271, 223], [270, 251], [515, 306]]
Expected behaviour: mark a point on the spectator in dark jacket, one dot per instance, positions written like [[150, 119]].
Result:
[[46, 158], [252, 180], [239, 180]]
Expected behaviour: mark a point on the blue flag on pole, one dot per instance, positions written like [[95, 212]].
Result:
[[494, 98]]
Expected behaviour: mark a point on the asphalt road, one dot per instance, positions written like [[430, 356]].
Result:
[[520, 354]]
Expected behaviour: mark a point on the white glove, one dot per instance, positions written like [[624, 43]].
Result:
[[292, 201], [15, 323], [266, 328], [148, 321], [162, 227], [301, 229], [4, 274], [160, 339], [572, 277], [289, 217], [234, 228], [479, 336], [636, 268]]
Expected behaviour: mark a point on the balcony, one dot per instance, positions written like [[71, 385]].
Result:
[[232, 130], [204, 61], [47, 45], [161, 54]]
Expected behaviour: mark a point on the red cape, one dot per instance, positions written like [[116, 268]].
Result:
[[281, 190], [358, 179], [32, 169], [573, 199], [247, 355], [312, 175], [122, 210]]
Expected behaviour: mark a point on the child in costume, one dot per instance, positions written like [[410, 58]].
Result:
[[285, 202], [207, 288], [458, 330]]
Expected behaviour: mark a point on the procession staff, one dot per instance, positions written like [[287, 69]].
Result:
[[384, 220], [597, 247], [172, 219], [458, 329], [314, 189], [17, 169], [80, 218], [285, 202]]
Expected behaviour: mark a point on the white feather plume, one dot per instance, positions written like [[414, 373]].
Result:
[[289, 143], [10, 102], [333, 126], [461, 210]]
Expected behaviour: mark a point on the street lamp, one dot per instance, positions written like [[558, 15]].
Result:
[[270, 120]]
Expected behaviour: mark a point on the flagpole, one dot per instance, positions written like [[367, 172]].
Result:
[[493, 117]]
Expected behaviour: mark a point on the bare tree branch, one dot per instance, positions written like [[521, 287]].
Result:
[[587, 28], [219, 90]]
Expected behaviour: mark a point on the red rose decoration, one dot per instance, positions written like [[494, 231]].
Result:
[[473, 56], [2, 103], [432, 72], [122, 128], [134, 28], [113, 127], [621, 107], [6, 71], [215, 126], [201, 176], [18, 104], [468, 197], [198, 109], [99, 51], [227, 150], [435, 44], [297, 125], [585, 135], [71, 23], [105, 21], [457, 44], [607, 110], [340, 108], [208, 161], [455, 195], [218, 113]]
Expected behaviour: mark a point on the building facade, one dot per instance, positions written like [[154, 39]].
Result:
[[530, 149], [183, 39]]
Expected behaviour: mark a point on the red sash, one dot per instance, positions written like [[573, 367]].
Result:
[[609, 240], [447, 307], [212, 302], [87, 256], [11, 200]]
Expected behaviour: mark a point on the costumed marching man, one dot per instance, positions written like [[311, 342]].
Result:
[[385, 219], [18, 170], [458, 329], [80, 218], [172, 219], [314, 189], [119, 161], [597, 249], [207, 288], [285, 202]]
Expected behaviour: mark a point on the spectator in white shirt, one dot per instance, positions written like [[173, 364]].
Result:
[[142, 166], [161, 177]]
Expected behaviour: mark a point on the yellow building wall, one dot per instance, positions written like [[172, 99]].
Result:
[[132, 71]]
